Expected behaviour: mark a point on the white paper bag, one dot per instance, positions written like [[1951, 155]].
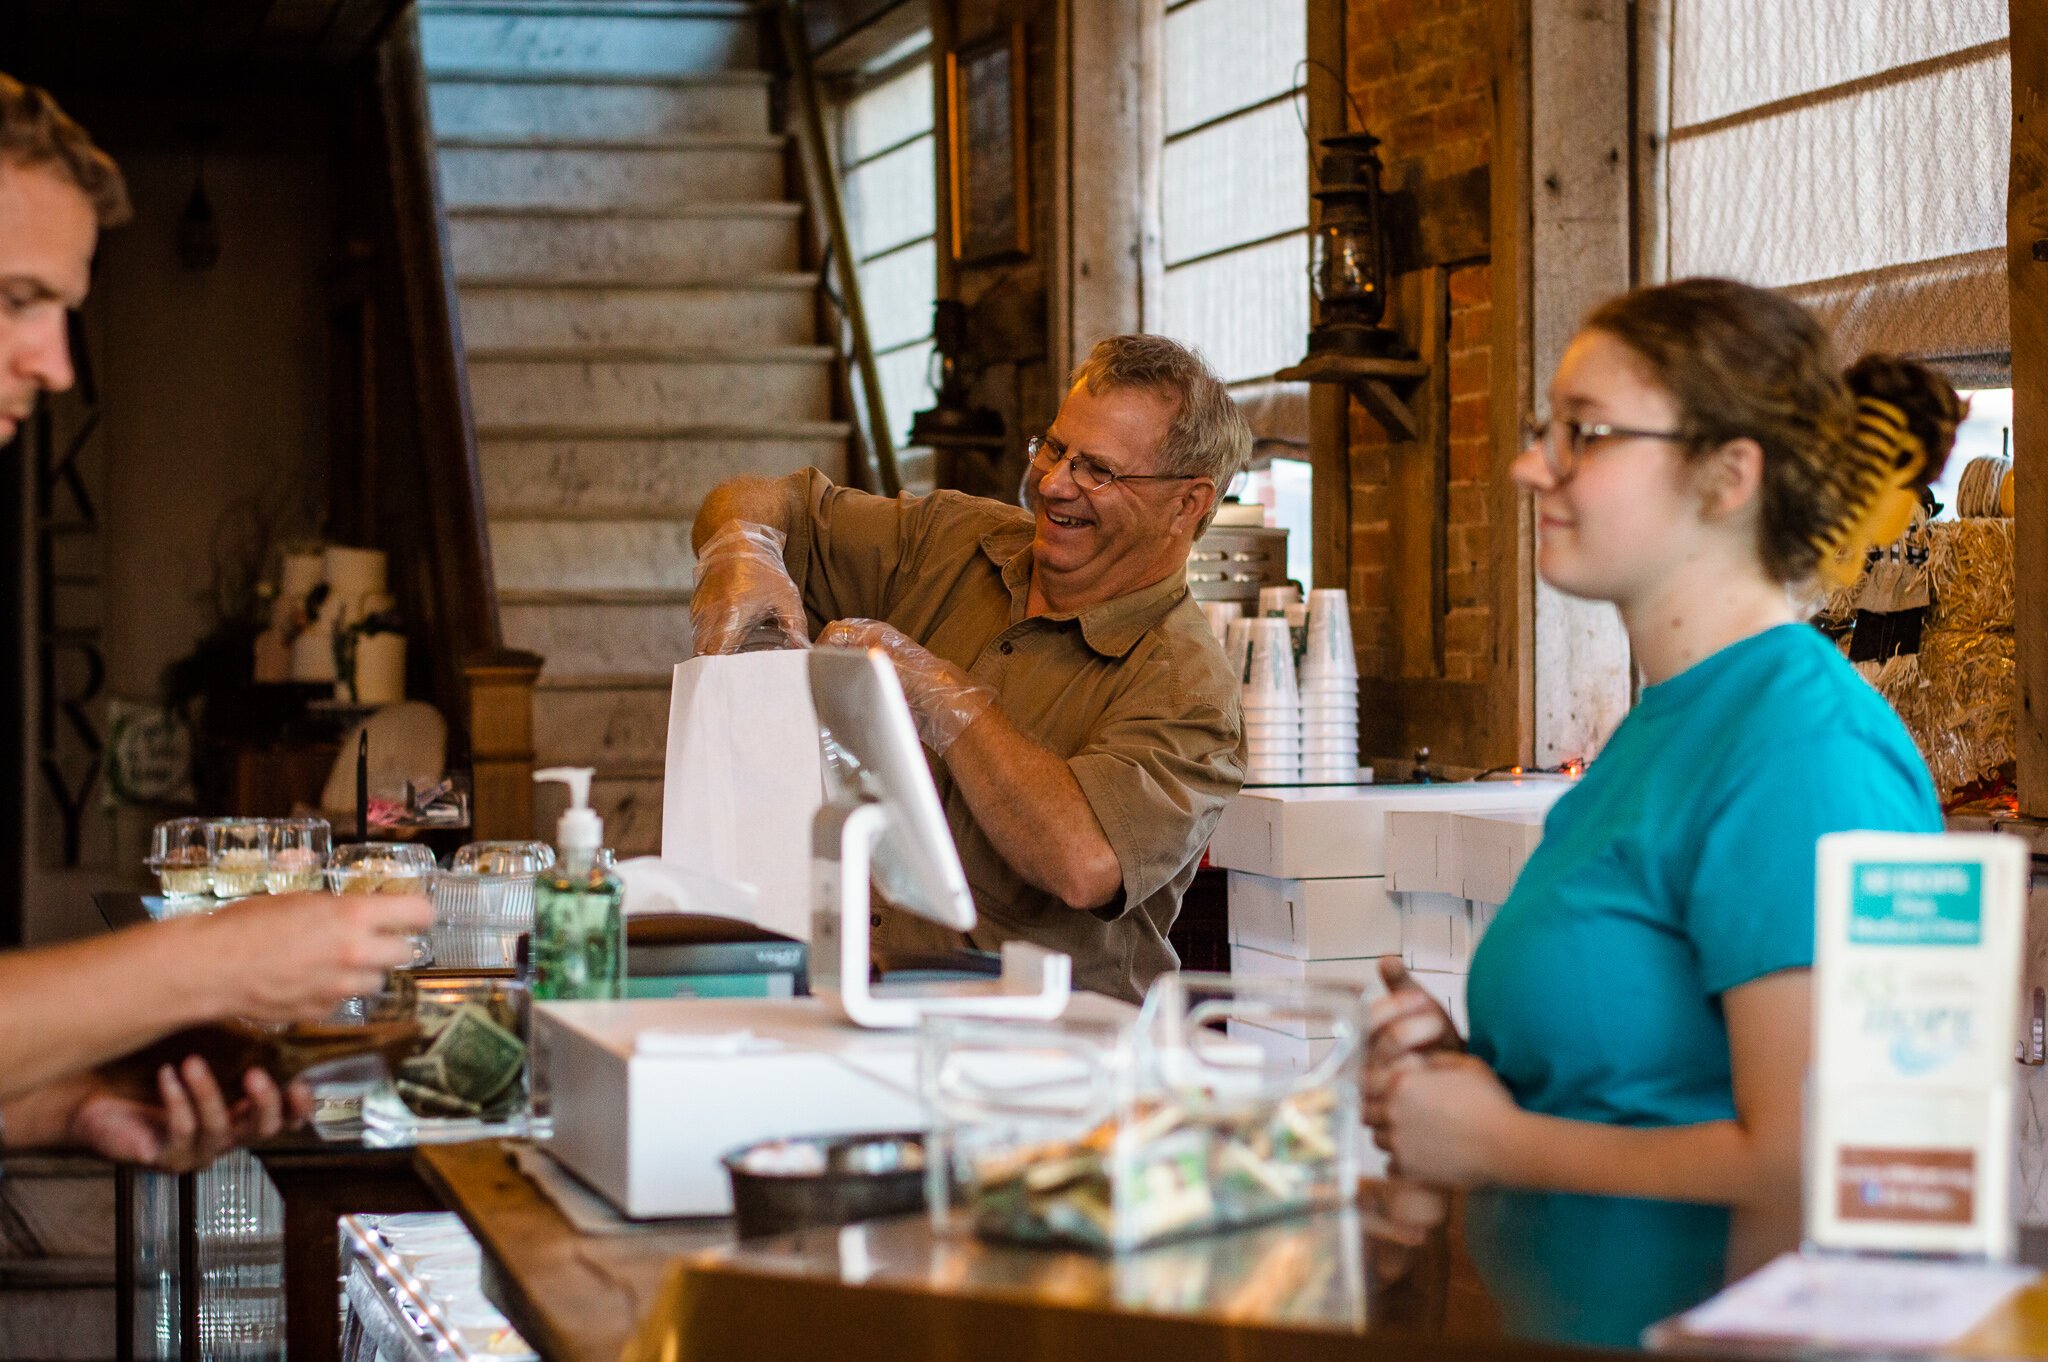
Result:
[[743, 779]]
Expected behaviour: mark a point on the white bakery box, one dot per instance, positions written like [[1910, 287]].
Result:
[[648, 1095], [1325, 882]]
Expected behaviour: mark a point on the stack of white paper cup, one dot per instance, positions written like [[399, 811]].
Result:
[[1329, 691], [1274, 600], [1220, 614], [1272, 706]]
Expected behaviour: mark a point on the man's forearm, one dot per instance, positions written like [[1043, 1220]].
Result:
[[1033, 810], [70, 1007], [763, 501]]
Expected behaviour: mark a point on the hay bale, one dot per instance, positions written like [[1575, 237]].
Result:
[[1969, 566], [1961, 713]]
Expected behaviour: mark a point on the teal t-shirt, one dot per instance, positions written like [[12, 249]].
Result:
[[1680, 866]]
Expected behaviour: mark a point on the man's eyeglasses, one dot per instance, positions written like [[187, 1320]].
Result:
[[1564, 443], [1089, 475]]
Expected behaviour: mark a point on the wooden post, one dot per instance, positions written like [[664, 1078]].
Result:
[[1511, 569], [501, 744], [1417, 483], [1329, 405], [2027, 267]]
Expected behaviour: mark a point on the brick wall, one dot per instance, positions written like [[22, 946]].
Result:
[[1420, 72]]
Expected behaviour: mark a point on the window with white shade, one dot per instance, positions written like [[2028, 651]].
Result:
[[1233, 169], [1850, 152], [1233, 184], [889, 182]]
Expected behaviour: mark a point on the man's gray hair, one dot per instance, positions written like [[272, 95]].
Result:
[[1209, 436]]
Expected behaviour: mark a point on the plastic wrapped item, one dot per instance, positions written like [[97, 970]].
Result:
[[1970, 685], [484, 902], [1970, 567], [1113, 1138]]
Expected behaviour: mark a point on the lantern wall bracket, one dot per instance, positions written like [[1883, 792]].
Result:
[[1381, 384]]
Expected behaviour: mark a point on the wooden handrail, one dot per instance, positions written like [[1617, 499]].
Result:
[[828, 211], [459, 554], [485, 690]]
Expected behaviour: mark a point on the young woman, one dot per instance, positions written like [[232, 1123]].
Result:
[[1640, 1006]]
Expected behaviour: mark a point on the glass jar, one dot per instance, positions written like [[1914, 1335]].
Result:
[[1113, 1138]]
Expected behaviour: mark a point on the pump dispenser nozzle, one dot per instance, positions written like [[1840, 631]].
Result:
[[580, 829]]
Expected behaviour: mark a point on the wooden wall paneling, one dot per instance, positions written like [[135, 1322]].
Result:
[[1512, 548], [1105, 109], [2027, 265], [1580, 237], [1418, 477]]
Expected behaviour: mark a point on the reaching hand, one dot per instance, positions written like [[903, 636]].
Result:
[[742, 583], [1404, 1021], [945, 699], [189, 1125], [296, 957]]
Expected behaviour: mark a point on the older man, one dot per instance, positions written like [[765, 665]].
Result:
[[1085, 722], [66, 1009]]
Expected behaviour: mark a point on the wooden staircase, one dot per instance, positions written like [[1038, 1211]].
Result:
[[638, 326]]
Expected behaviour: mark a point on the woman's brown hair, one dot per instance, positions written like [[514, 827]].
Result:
[[1744, 362], [36, 134]]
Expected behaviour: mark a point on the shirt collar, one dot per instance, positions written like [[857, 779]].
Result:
[[1112, 628]]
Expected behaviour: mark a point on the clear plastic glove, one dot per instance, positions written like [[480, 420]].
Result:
[[945, 699], [743, 587]]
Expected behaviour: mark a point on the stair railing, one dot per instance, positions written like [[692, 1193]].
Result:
[[828, 212], [489, 687]]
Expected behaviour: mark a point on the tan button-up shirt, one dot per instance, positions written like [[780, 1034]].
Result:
[[1134, 694]]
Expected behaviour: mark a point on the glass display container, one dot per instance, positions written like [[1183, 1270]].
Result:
[[483, 903], [467, 1067], [1114, 1138]]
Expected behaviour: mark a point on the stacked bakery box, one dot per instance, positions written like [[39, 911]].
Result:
[[1312, 895]]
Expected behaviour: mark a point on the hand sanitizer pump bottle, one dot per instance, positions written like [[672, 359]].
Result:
[[579, 932]]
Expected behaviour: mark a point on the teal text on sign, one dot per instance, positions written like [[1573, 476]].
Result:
[[1917, 903]]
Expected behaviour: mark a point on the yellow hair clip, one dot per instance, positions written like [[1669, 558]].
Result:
[[1879, 477]]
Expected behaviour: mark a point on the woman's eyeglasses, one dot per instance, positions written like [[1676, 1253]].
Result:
[[1564, 443]]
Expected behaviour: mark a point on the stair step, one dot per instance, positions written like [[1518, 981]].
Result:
[[629, 801], [602, 728], [718, 9], [591, 555], [666, 80], [595, 353], [679, 142], [555, 476], [639, 179], [598, 632], [641, 44], [668, 250], [616, 112], [622, 681], [604, 395], [749, 314]]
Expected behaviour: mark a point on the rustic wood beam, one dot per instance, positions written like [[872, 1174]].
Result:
[[2027, 266]]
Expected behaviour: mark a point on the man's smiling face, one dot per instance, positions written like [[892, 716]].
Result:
[[47, 235], [1099, 545]]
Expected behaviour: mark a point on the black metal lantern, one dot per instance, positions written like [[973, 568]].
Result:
[[1348, 253], [954, 423]]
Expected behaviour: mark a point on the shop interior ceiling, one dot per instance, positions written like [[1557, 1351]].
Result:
[[166, 36]]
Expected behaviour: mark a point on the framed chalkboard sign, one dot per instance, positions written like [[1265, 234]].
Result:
[[991, 164]]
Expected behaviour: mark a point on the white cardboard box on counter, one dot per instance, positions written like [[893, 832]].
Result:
[[1447, 988], [1340, 832], [1422, 852], [648, 1094], [1361, 976], [1314, 919], [1436, 932], [1492, 849]]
